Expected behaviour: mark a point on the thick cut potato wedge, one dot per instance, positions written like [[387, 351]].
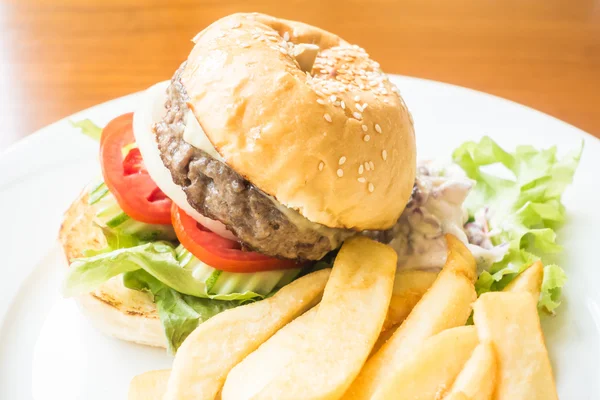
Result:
[[457, 396], [431, 368], [510, 321], [251, 375], [477, 380], [446, 305], [211, 350], [345, 328], [529, 280], [383, 337], [409, 287], [150, 385]]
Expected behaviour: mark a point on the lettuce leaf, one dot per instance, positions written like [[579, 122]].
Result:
[[521, 200], [158, 259], [179, 313], [88, 128]]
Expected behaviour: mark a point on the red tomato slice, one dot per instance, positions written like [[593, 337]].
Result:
[[219, 252], [127, 177]]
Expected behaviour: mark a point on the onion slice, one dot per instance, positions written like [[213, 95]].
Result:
[[150, 110]]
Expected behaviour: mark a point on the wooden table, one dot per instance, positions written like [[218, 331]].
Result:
[[60, 56]]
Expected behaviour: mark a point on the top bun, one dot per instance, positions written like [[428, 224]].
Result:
[[306, 117]]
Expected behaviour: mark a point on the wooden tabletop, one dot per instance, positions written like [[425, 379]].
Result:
[[60, 56]]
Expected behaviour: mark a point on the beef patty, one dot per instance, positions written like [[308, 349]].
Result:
[[220, 193]]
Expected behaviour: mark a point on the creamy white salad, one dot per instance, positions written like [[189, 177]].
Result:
[[436, 208]]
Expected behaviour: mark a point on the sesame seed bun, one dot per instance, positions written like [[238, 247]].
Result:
[[321, 129], [112, 308]]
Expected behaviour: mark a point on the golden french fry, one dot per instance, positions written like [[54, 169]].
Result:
[[254, 372], [383, 337], [529, 280], [457, 396], [477, 379], [446, 305], [211, 350], [409, 287], [510, 321], [150, 385], [345, 328], [431, 368]]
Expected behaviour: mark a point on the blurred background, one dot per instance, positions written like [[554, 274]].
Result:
[[61, 56]]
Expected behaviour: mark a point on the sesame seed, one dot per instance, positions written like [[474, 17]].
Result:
[[340, 173], [367, 166], [386, 101], [362, 179], [327, 117], [377, 128], [364, 127], [371, 187], [236, 25], [295, 33], [357, 115], [361, 169], [342, 160], [286, 36], [356, 98], [372, 165], [320, 101], [244, 45], [384, 155], [364, 106], [367, 138], [282, 50], [332, 98], [321, 165], [343, 105]]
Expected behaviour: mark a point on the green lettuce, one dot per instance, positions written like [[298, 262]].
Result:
[[88, 128], [522, 206], [158, 259], [179, 313]]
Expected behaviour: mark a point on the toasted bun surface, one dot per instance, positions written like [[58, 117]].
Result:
[[335, 142], [114, 309]]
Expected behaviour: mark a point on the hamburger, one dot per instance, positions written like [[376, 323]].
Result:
[[273, 143]]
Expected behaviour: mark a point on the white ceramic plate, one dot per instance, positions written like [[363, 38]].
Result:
[[49, 351]]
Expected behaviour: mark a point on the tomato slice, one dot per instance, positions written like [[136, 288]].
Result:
[[219, 252], [127, 177]]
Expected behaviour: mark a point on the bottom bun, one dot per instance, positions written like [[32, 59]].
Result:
[[112, 308]]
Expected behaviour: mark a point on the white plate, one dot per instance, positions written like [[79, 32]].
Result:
[[49, 351]]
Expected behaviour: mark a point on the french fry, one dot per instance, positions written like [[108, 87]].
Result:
[[431, 368], [383, 337], [510, 321], [252, 374], [345, 328], [446, 305], [150, 385], [457, 396], [409, 287], [529, 280], [477, 379], [201, 364]]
